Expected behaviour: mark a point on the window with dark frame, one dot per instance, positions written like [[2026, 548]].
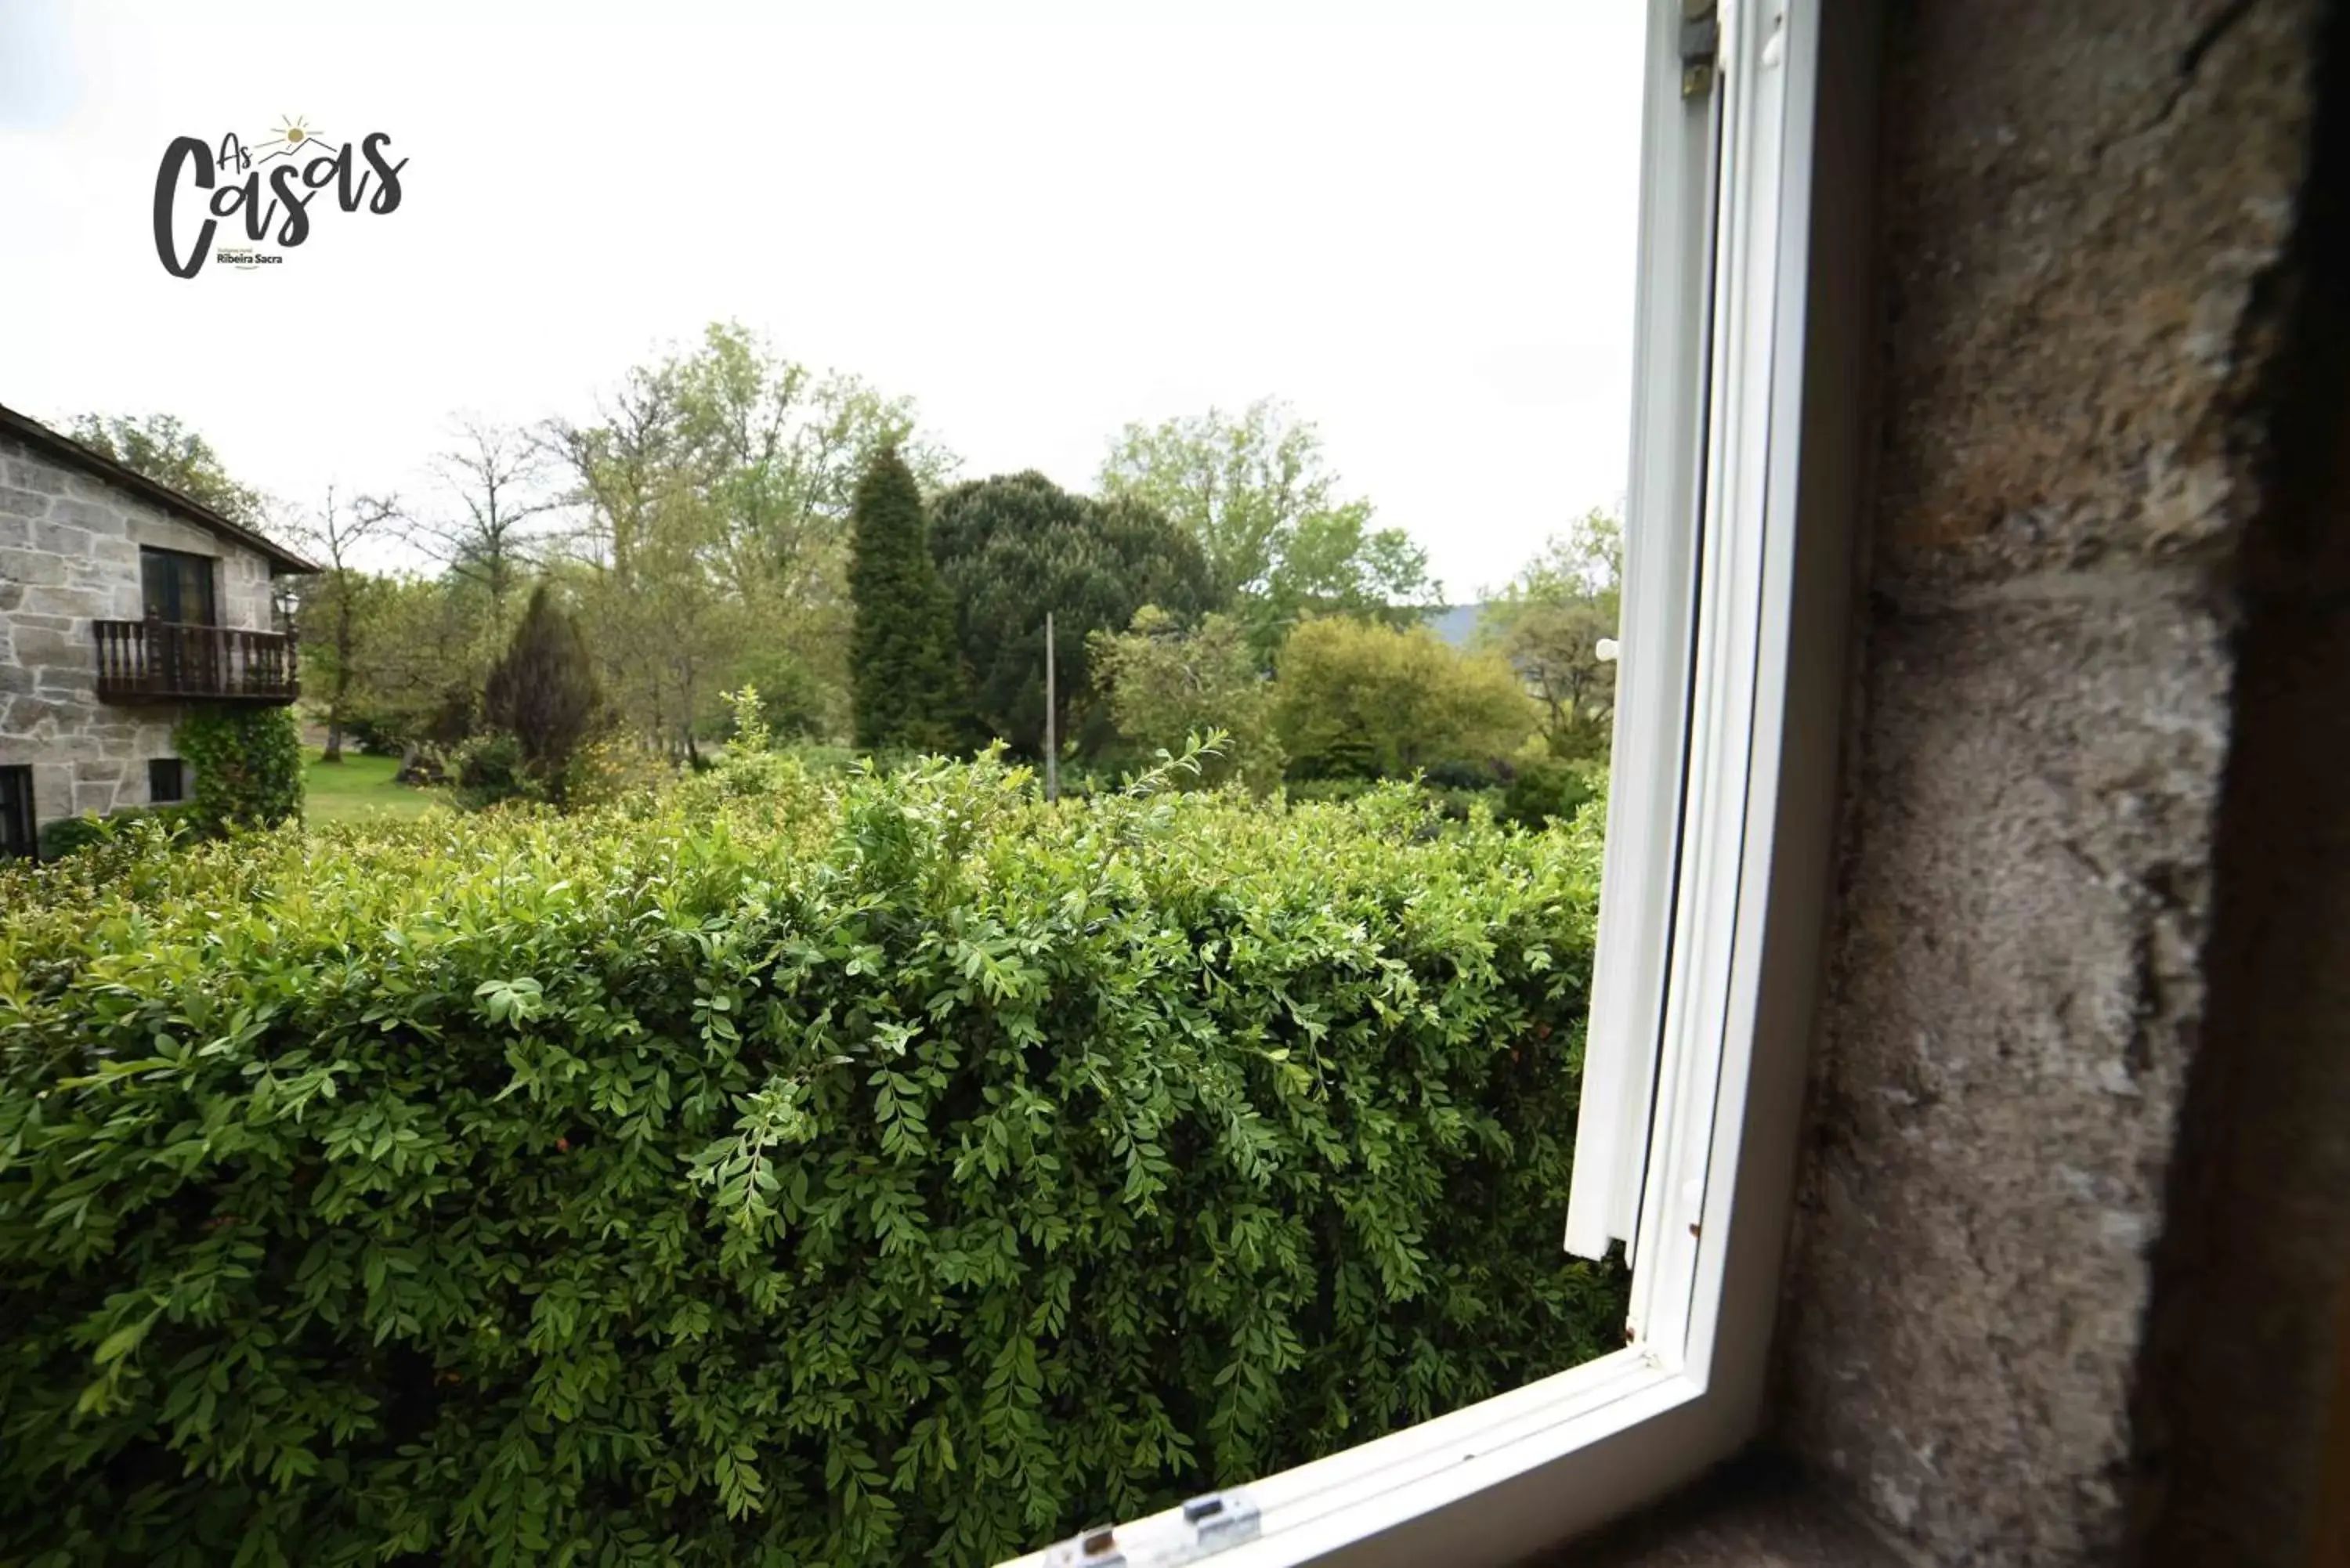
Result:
[[177, 587], [17, 837], [167, 781]]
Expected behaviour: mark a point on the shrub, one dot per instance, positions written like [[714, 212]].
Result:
[[1355, 698], [1545, 788], [69, 834], [491, 770], [795, 702], [1165, 683], [794, 1171], [616, 769], [248, 766]]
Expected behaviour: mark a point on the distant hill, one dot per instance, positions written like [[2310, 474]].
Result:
[[1456, 624]]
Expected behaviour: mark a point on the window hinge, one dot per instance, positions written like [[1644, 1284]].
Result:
[[1700, 38], [1202, 1526]]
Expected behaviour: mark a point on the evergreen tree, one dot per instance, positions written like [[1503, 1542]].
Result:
[[1016, 546], [543, 691], [901, 648]]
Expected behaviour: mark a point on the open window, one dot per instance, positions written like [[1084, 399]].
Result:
[[1744, 464]]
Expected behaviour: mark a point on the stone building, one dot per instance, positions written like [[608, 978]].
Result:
[[123, 604]]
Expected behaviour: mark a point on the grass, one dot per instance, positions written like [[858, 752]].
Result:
[[359, 789]]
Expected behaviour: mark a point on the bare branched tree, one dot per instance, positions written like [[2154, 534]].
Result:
[[335, 532], [497, 475], [620, 470]]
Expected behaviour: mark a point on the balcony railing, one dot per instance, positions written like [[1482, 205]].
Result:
[[167, 661]]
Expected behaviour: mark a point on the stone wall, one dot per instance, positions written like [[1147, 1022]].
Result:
[[2087, 222], [68, 555]]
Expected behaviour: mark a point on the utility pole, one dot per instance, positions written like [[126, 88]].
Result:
[[1052, 736]]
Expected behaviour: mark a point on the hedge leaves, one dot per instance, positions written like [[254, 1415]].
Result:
[[891, 1170]]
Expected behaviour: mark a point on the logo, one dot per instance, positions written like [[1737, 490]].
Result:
[[269, 187]]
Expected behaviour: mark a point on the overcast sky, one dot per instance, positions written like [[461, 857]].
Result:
[[1413, 221]]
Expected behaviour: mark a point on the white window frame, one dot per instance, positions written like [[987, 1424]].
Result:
[[1752, 349]]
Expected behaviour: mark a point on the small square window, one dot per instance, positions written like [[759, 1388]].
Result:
[[167, 781]]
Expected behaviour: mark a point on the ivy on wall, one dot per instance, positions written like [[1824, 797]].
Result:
[[248, 766]]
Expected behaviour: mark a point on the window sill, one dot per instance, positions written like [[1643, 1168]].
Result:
[[1755, 1511]]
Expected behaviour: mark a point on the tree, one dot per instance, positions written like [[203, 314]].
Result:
[[778, 447], [1016, 546], [1360, 700], [167, 451], [330, 603], [632, 476], [713, 492], [416, 672], [542, 693], [1164, 685], [1256, 493], [497, 475], [902, 644], [1549, 623]]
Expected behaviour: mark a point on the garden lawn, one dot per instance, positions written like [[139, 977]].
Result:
[[359, 789]]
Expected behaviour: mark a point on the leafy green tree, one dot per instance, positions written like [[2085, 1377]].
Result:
[[640, 566], [1165, 685], [418, 660], [1016, 546], [713, 492], [903, 651], [778, 447], [167, 451], [542, 693], [1549, 623], [1355, 698], [1257, 495]]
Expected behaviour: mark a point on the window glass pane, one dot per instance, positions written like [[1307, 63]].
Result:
[[178, 586], [196, 590], [1053, 653], [17, 836], [160, 583]]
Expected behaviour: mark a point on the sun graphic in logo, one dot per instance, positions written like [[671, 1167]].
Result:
[[293, 135]]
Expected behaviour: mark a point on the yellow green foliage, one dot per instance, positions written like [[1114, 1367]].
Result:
[[1358, 699]]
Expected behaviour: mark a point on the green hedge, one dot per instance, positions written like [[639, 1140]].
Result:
[[71, 835], [788, 1172]]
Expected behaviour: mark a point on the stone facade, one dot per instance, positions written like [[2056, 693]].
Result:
[[2094, 227], [70, 547]]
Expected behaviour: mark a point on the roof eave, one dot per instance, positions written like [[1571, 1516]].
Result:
[[283, 562]]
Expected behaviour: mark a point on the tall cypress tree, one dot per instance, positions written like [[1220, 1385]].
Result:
[[902, 645], [543, 691]]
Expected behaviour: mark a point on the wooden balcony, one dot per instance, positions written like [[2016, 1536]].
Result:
[[167, 661]]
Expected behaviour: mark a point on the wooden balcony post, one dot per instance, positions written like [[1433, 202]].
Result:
[[155, 661]]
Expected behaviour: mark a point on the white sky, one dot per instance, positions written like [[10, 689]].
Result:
[[1412, 221]]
